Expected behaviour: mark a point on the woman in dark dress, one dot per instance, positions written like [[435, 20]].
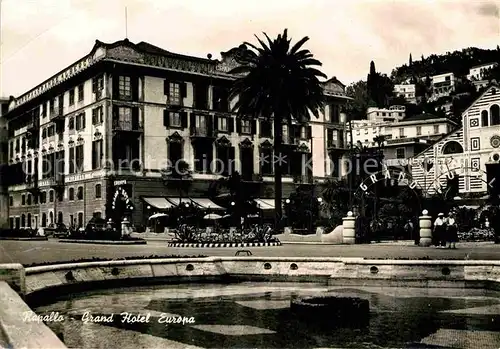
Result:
[[452, 230]]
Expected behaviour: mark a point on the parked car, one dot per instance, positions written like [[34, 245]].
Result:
[[56, 230]]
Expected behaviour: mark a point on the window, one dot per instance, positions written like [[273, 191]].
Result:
[[52, 106], [28, 200], [366, 131], [44, 110], [484, 118], [419, 130], [303, 132], [11, 201], [28, 220], [495, 114], [71, 123], [78, 158], [80, 121], [79, 194], [23, 220], [51, 196], [401, 132], [98, 191], [43, 197], [23, 200], [59, 217], [174, 93], [80, 93], [72, 96], [71, 160], [285, 133], [436, 129], [44, 220], [400, 153], [97, 154], [97, 84], [124, 86], [97, 116], [80, 219], [266, 128], [97, 215], [334, 113], [223, 125], [246, 127], [175, 119], [71, 194]]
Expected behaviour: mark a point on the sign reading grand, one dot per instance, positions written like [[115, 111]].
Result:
[[430, 185]]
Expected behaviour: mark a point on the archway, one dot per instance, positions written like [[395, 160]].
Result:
[[121, 205], [388, 200]]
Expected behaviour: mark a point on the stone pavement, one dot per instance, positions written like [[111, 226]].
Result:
[[28, 252]]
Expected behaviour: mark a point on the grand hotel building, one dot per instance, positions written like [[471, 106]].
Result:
[[137, 106]]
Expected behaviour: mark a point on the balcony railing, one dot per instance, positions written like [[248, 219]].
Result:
[[290, 140], [57, 181], [202, 132], [56, 113], [332, 145], [128, 126]]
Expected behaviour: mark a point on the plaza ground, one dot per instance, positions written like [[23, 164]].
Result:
[[28, 252]]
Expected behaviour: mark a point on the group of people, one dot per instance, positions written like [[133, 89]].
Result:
[[445, 233]]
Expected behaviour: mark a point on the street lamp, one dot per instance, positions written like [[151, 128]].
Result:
[[320, 200], [287, 201]]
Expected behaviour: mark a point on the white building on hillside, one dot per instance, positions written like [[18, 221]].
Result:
[[407, 91], [391, 114], [402, 139], [477, 72], [443, 85], [465, 152]]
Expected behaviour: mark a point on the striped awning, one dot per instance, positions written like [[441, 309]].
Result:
[[177, 201], [265, 204], [159, 203], [206, 203]]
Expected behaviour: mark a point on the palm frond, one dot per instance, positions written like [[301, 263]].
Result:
[[298, 45]]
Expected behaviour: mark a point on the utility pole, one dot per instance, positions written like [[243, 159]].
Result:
[[351, 167]]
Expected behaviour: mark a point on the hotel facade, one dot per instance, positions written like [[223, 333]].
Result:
[[104, 128]]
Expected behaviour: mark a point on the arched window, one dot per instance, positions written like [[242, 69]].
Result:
[[79, 194], [71, 194], [23, 220], [452, 147], [51, 196], [44, 220], [11, 201], [484, 118], [80, 219], [98, 191], [495, 114], [59, 217], [28, 200], [51, 217], [29, 220]]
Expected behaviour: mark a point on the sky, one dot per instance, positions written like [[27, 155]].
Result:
[[41, 37]]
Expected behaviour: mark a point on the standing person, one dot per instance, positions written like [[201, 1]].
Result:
[[440, 231], [451, 230], [410, 231]]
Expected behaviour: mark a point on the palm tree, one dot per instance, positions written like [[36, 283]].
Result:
[[277, 81]]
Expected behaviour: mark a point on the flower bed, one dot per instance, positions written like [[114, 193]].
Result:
[[189, 234], [17, 233], [332, 311], [476, 234]]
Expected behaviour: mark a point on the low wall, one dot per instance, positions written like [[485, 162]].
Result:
[[19, 326], [44, 282], [330, 270]]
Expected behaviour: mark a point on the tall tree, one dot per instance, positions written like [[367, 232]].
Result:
[[410, 61], [278, 81], [356, 108]]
